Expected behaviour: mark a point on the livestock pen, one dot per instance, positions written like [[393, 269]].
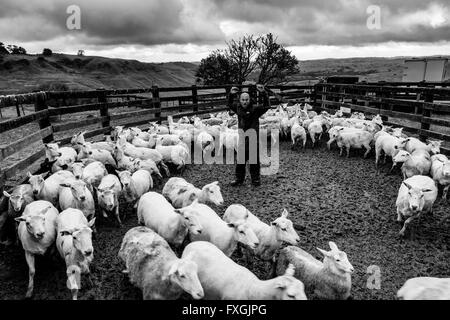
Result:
[[329, 198]]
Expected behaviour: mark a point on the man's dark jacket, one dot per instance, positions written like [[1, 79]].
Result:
[[248, 118]]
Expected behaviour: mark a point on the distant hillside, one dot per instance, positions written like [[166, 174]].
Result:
[[370, 69], [23, 73]]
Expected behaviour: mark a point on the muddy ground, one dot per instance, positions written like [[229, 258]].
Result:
[[329, 199]]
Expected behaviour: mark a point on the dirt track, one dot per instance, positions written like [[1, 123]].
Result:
[[328, 197]]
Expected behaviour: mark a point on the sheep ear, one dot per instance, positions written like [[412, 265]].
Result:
[[29, 175], [91, 223], [333, 246], [280, 284], [43, 211], [21, 218], [285, 213], [215, 182], [290, 271], [6, 194], [182, 190], [407, 185], [325, 253], [173, 269]]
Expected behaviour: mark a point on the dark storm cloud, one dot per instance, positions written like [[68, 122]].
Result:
[[295, 22]]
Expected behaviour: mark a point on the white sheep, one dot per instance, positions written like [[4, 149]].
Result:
[[271, 237], [75, 194], [124, 162], [425, 288], [92, 174], [205, 141], [19, 198], [418, 163], [108, 193], [74, 244], [182, 193], [416, 195], [135, 185], [356, 138], [104, 156], [37, 232], [78, 140], [49, 188], [298, 133], [390, 146], [65, 161], [222, 278], [224, 235], [177, 155], [155, 212], [413, 144], [139, 152], [328, 279], [52, 152], [440, 171], [167, 139], [153, 267], [315, 130], [150, 166]]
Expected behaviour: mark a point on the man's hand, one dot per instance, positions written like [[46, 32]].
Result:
[[234, 90], [260, 87]]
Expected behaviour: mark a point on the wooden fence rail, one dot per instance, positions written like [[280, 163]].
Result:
[[423, 109]]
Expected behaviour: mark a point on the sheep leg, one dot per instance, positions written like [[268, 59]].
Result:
[[273, 269], [312, 139], [348, 151], [405, 224], [31, 271], [399, 216], [117, 214], [445, 192], [367, 152]]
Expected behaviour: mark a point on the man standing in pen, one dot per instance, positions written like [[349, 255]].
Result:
[[248, 111]]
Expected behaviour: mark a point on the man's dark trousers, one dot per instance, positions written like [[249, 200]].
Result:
[[254, 167]]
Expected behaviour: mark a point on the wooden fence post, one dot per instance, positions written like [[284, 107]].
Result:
[[104, 108], [40, 105], [384, 105], [156, 102], [428, 97], [194, 98]]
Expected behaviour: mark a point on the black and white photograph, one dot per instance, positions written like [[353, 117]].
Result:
[[198, 150]]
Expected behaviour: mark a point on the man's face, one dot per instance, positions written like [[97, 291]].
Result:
[[244, 100]]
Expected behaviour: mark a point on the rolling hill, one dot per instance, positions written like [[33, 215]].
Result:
[[24, 73]]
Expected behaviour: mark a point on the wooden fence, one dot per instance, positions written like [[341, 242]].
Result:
[[420, 108], [103, 109]]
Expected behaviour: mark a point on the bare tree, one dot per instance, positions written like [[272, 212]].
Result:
[[275, 63], [242, 56]]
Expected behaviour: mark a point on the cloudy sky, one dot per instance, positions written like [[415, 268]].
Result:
[[187, 30]]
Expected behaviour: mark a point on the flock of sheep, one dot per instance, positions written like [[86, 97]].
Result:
[[182, 245]]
